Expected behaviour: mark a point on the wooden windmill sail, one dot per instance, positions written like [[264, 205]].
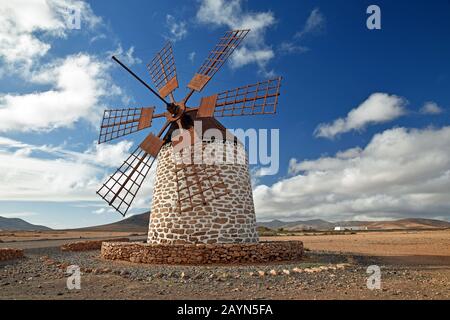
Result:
[[206, 184]]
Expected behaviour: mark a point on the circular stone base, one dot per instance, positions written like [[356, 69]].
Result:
[[199, 254]]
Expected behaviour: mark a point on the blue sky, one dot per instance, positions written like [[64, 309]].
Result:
[[363, 114]]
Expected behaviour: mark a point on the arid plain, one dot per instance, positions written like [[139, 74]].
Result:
[[414, 265]]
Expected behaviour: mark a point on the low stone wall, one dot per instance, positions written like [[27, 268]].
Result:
[[89, 244], [10, 254], [203, 253]]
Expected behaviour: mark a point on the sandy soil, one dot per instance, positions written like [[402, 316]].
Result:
[[413, 266], [413, 247]]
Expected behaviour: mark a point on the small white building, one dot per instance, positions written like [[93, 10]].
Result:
[[350, 228]]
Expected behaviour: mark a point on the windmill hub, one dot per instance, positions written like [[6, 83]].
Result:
[[176, 111]]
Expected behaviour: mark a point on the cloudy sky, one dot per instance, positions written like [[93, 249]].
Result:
[[363, 116]]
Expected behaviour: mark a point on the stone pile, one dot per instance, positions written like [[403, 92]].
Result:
[[89, 244], [203, 253], [10, 254]]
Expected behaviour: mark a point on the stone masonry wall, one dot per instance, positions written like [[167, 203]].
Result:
[[89, 244], [262, 252], [10, 254], [227, 219]]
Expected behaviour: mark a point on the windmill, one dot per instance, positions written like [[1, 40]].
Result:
[[191, 202]]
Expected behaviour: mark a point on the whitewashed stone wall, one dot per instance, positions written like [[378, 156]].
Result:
[[228, 219]]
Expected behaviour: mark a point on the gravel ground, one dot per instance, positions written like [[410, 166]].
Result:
[[42, 275]]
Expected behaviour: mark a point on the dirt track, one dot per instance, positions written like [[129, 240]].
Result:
[[42, 274]]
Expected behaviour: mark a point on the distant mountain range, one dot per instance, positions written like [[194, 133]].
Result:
[[139, 224], [17, 224], [412, 223], [316, 224]]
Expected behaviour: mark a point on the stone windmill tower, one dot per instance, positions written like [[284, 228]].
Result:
[[202, 191]]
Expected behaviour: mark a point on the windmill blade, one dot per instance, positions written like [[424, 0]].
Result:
[[255, 99], [120, 122], [140, 80], [197, 183], [217, 57], [121, 188], [163, 71]]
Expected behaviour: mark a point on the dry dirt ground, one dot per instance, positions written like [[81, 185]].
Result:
[[414, 265], [413, 247], [19, 236]]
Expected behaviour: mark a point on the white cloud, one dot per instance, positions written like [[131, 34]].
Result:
[[378, 108], [63, 175], [26, 26], [292, 48], [177, 29], [78, 84], [244, 56], [126, 56], [11, 143], [103, 210], [431, 108], [230, 14], [103, 155], [31, 178], [400, 173], [315, 23], [109, 155], [59, 176], [18, 214], [257, 173], [191, 56], [66, 90]]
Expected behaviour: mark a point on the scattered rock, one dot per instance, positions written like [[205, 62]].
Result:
[[197, 276], [124, 272]]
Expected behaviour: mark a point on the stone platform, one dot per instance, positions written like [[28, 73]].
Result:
[[89, 244], [201, 254], [10, 254]]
